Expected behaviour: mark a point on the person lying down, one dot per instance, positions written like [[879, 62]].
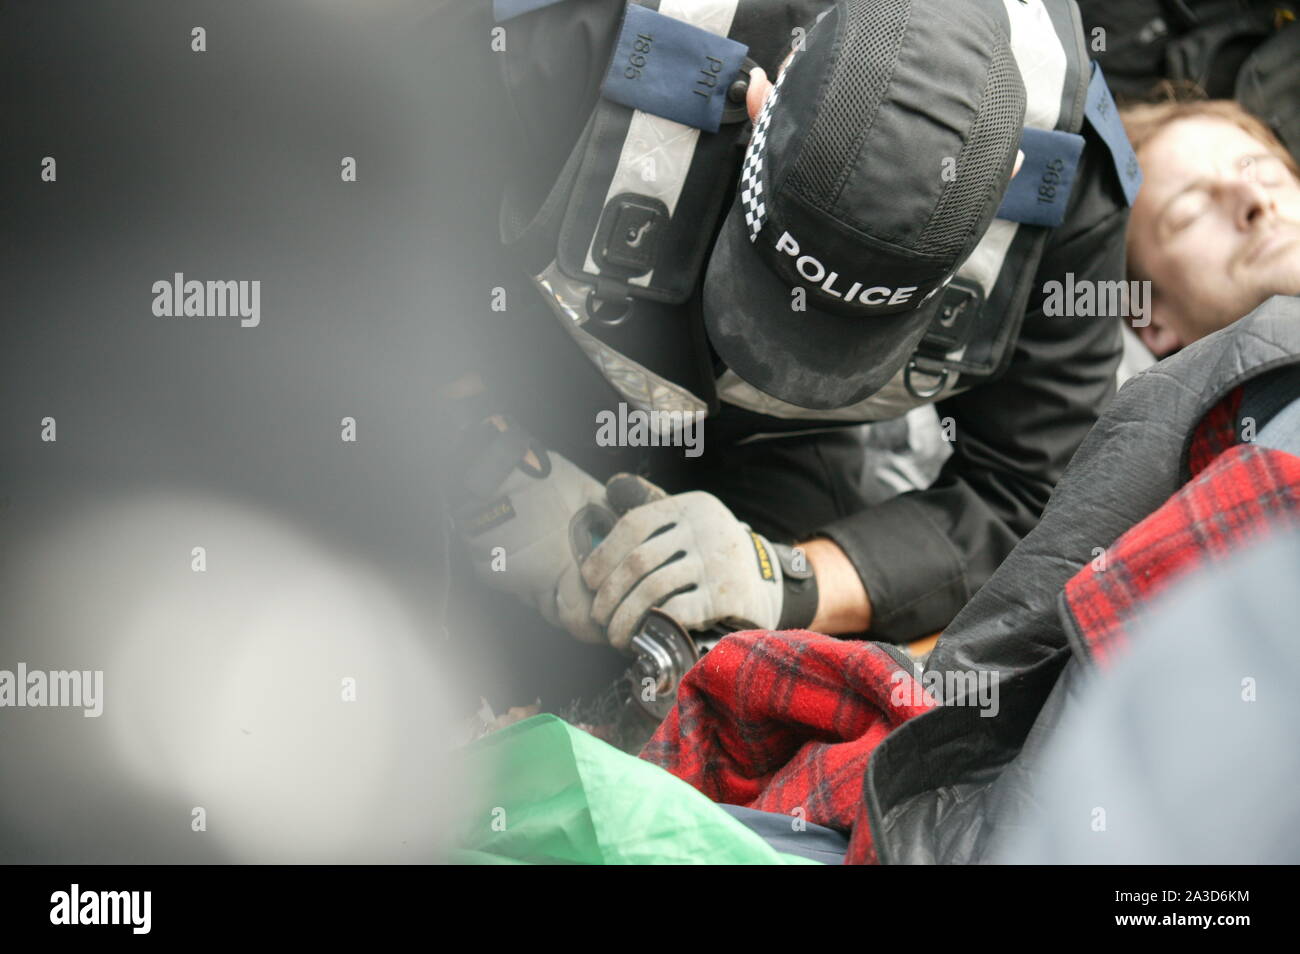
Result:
[[1216, 225]]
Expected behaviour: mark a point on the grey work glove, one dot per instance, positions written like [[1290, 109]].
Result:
[[685, 554], [527, 533]]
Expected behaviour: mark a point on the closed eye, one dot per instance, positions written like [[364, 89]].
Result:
[[1186, 209], [1267, 170]]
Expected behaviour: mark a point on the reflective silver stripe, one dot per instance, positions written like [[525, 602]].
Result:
[[639, 386], [891, 401], [657, 152], [1043, 66], [654, 161]]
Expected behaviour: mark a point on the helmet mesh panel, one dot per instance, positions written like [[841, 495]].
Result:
[[994, 133], [873, 33]]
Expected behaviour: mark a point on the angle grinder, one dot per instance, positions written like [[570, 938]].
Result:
[[662, 650]]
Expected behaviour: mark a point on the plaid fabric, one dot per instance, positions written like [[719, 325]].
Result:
[[786, 722], [1216, 433], [1246, 492]]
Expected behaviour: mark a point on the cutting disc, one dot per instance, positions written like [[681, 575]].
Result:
[[663, 654]]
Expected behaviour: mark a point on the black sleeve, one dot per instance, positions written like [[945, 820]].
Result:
[[923, 554]]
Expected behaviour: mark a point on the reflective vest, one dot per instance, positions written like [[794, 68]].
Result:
[[618, 247]]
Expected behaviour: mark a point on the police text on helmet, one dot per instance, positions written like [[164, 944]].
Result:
[[814, 271]]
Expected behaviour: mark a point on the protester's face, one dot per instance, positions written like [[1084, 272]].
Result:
[[1216, 228]]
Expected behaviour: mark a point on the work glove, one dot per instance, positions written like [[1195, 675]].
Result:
[[685, 554], [528, 517]]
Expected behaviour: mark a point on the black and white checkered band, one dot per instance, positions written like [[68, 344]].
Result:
[[751, 172]]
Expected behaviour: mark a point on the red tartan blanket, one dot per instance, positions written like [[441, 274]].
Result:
[[1244, 493], [786, 722]]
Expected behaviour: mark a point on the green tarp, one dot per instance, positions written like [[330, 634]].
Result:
[[549, 793]]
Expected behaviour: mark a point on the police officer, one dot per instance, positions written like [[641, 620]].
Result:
[[851, 247]]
